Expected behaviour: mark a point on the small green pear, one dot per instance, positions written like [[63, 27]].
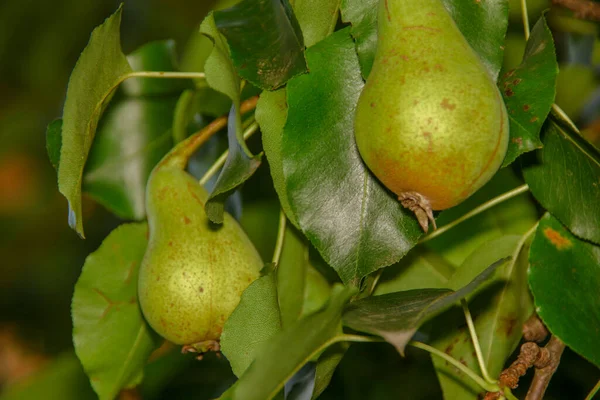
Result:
[[193, 272], [430, 123]]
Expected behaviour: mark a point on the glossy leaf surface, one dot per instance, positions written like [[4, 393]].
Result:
[[354, 222], [265, 41], [564, 277]]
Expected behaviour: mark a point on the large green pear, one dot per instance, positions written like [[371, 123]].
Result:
[[193, 272], [430, 122]]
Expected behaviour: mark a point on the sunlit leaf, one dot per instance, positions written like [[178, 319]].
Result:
[[101, 66]]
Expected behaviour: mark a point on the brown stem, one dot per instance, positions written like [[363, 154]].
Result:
[[583, 9], [545, 369], [179, 156], [534, 330], [529, 355]]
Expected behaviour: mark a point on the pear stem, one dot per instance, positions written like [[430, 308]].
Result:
[[419, 205], [525, 17], [178, 157]]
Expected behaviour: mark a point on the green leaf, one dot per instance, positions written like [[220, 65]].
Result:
[[421, 268], [101, 66], [356, 224], [529, 91], [252, 324], [512, 217], [265, 41], [564, 277], [291, 276], [316, 290], [317, 18], [500, 307], [240, 165], [564, 178], [54, 142], [279, 361], [483, 24], [111, 338], [326, 366], [271, 115], [61, 379], [397, 316], [238, 168], [220, 71]]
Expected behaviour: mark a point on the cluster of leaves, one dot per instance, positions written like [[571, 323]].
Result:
[[289, 329]]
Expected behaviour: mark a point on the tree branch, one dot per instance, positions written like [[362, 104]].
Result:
[[545, 369], [583, 9], [534, 330]]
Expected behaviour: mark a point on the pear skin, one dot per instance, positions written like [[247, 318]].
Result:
[[193, 272], [430, 122]]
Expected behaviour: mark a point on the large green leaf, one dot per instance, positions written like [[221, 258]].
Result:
[[111, 338], [279, 361], [265, 41], [564, 178], [482, 23], [528, 92], [356, 224], [500, 307], [101, 66], [317, 18], [397, 316], [252, 324], [564, 277]]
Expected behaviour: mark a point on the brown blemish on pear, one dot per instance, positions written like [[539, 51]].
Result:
[[440, 128]]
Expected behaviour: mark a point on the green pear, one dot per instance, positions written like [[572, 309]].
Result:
[[430, 123], [193, 272]]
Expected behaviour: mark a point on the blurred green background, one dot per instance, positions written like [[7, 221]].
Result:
[[41, 257]]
